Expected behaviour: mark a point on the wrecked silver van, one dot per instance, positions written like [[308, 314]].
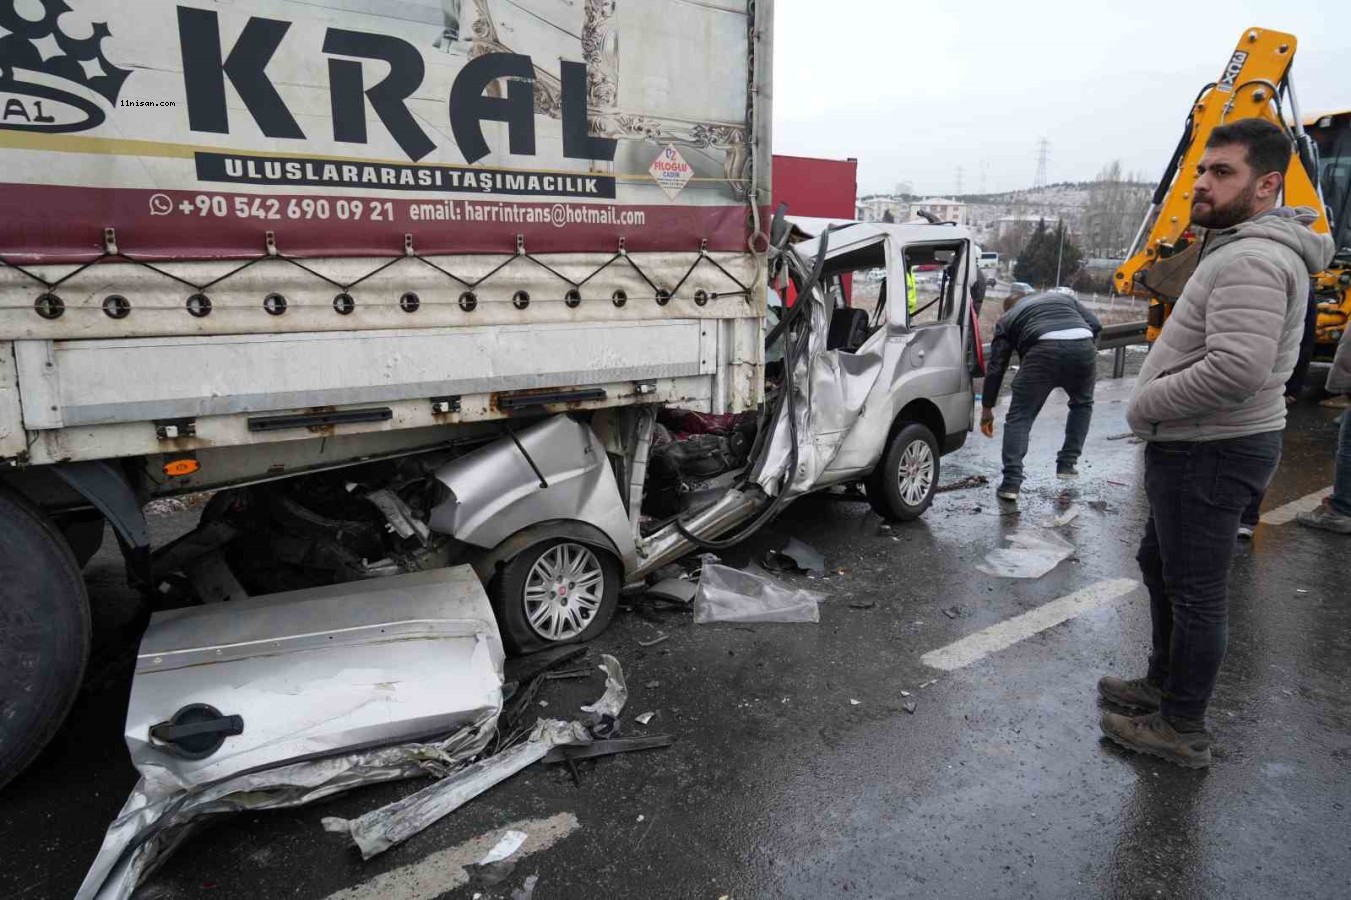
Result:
[[865, 384]]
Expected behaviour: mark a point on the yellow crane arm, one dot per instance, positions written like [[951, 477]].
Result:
[[1253, 85]]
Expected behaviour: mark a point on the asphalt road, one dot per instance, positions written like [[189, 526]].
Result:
[[799, 771]]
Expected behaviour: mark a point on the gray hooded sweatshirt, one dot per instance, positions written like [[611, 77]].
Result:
[[1218, 369]]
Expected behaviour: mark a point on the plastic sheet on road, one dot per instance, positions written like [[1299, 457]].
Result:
[[735, 595], [1031, 553]]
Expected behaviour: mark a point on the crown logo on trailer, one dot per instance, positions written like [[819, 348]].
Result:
[[50, 80]]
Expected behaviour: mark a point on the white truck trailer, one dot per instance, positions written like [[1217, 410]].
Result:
[[407, 283]]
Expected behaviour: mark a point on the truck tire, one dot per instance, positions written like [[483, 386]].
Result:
[[44, 632], [559, 591], [906, 479], [83, 533]]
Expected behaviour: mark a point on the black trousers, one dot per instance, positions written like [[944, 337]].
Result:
[[1197, 493]]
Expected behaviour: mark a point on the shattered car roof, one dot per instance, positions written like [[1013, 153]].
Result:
[[856, 234]]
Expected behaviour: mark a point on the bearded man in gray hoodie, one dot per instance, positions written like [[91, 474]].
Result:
[[1209, 404]]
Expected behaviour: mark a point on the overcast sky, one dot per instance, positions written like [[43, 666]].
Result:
[[915, 89]]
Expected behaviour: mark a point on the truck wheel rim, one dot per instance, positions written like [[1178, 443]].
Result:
[[916, 473], [563, 591]]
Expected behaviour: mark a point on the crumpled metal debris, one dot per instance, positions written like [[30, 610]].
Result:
[[159, 814], [380, 829], [735, 595], [673, 590], [604, 713], [608, 747], [394, 823], [1032, 552]]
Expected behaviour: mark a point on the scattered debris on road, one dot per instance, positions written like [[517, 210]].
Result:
[[392, 824], [607, 747], [1064, 518], [963, 484], [603, 715], [655, 641], [509, 844], [910, 706], [1031, 554], [863, 604], [795, 556], [380, 829], [524, 669], [672, 590], [568, 674], [644, 718], [736, 595], [527, 890]]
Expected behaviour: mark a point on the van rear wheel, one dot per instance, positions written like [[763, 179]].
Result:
[[906, 479], [44, 632]]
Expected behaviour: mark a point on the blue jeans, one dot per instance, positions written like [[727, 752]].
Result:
[[1197, 492], [1072, 365], [1341, 473]]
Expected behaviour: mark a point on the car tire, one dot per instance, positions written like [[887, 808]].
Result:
[[532, 612], [906, 479], [44, 632]]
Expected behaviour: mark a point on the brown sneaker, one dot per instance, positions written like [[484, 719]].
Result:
[[1137, 693], [1153, 735]]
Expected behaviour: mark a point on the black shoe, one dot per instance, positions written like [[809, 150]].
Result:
[[1066, 472], [1137, 693], [1006, 491]]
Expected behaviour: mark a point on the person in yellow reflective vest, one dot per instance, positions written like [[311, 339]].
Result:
[[911, 303]]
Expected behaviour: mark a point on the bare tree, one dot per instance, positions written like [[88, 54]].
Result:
[[1116, 206]]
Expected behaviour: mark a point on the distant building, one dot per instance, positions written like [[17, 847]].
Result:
[[1007, 225], [942, 208], [875, 209]]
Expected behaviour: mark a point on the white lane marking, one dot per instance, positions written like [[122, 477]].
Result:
[[1282, 515], [443, 871], [977, 646]]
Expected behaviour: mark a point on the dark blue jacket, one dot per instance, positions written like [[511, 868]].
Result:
[[1021, 327]]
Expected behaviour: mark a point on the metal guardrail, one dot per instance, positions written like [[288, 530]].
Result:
[[1118, 338]]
